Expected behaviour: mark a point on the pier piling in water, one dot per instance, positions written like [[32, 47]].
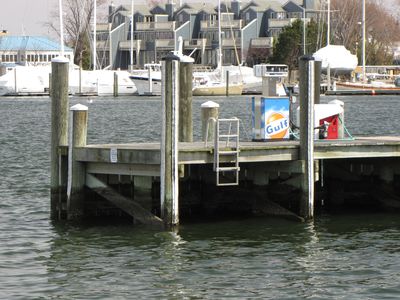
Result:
[[169, 179], [307, 98], [115, 86], [76, 170], [59, 135]]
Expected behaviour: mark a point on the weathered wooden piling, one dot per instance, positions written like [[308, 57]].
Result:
[[169, 179], [15, 81], [227, 83], [59, 135], [307, 97], [209, 114], [76, 170], [185, 99]]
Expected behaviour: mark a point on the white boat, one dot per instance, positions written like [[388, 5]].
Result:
[[25, 80], [245, 75], [147, 80], [34, 80], [336, 58], [210, 84]]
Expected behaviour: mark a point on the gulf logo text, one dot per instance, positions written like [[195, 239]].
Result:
[[277, 125]]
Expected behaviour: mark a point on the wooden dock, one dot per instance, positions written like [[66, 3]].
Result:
[[363, 92], [177, 179], [136, 168], [144, 158]]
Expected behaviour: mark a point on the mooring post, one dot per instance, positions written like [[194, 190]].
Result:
[[15, 81], [209, 114], [59, 135], [76, 170], [150, 80], [169, 190], [307, 95], [115, 84], [185, 103], [227, 83]]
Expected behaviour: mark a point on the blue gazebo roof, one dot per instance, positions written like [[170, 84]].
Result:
[[29, 43]]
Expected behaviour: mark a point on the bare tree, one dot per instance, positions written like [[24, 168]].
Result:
[[382, 29], [77, 15]]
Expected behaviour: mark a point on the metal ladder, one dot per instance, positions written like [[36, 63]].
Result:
[[227, 144]]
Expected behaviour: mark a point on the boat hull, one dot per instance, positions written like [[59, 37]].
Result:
[[219, 90]]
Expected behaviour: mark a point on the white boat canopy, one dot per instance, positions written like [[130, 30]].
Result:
[[337, 57]]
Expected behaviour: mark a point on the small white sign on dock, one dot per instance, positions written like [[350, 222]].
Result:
[[113, 155]]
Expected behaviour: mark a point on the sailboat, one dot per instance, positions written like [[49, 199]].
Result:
[[105, 78], [216, 84]]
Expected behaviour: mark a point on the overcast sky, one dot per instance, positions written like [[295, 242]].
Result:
[[25, 16], [29, 16]]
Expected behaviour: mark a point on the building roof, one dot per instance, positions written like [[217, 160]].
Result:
[[197, 7], [142, 9], [262, 6], [30, 43]]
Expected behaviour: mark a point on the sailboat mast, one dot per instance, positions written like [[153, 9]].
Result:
[[219, 37], [61, 27], [131, 53], [94, 35], [363, 39]]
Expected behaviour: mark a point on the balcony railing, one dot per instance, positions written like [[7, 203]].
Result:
[[235, 24], [165, 43], [229, 42], [280, 23], [155, 26], [196, 43], [265, 42]]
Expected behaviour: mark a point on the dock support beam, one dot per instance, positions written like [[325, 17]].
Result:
[[59, 135], [76, 170], [307, 97], [169, 179]]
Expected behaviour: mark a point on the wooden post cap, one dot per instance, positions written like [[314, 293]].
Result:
[[209, 104], [60, 59], [170, 56], [79, 107]]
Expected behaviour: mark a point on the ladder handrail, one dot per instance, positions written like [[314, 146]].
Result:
[[234, 153]]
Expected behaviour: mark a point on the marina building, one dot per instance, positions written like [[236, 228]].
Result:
[[30, 50], [247, 31]]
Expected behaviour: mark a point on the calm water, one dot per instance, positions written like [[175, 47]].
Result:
[[334, 257]]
